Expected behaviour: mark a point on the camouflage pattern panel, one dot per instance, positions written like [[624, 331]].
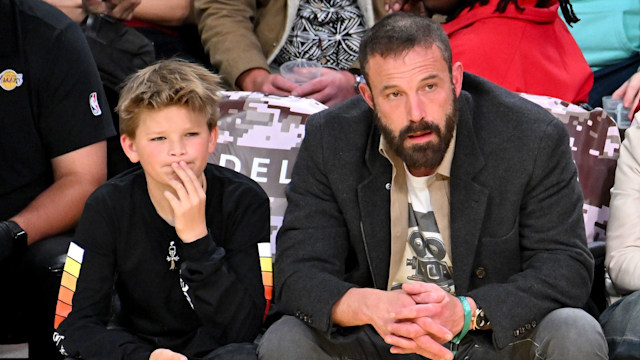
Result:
[[595, 143], [259, 136]]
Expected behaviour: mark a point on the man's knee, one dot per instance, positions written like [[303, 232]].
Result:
[[570, 333], [564, 320], [290, 338]]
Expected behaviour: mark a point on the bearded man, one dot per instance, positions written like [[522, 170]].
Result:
[[438, 216]]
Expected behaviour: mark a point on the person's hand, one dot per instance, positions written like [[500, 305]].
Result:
[[166, 354], [261, 80], [414, 6], [396, 5], [630, 93], [331, 88], [360, 306], [188, 204], [379, 310], [434, 319], [118, 9]]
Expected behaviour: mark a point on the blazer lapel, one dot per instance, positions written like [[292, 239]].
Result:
[[373, 200], [468, 199]]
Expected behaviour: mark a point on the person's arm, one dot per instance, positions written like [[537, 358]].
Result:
[[165, 12], [227, 32], [549, 240], [623, 237], [72, 125], [224, 264], [313, 242], [122, 9], [72, 8], [84, 332], [76, 175], [161, 12]]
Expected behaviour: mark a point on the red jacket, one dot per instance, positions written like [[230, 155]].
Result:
[[527, 51]]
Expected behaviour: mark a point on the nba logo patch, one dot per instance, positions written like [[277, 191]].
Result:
[[94, 105]]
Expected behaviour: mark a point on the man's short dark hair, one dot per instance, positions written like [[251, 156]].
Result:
[[399, 33]]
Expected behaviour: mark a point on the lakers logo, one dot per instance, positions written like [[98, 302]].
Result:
[[10, 79]]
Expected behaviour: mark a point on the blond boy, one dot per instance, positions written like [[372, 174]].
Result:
[[176, 237]]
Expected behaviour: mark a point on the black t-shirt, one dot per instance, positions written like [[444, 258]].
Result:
[[51, 98]]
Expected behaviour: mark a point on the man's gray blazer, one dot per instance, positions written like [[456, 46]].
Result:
[[517, 232]]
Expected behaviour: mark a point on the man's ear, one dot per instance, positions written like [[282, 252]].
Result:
[[129, 148], [213, 140], [456, 76], [365, 92]]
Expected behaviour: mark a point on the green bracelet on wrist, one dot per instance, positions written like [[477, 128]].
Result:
[[467, 322]]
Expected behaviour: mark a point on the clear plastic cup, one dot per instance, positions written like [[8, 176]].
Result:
[[301, 71], [617, 111]]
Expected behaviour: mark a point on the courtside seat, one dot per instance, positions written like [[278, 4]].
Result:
[[259, 135]]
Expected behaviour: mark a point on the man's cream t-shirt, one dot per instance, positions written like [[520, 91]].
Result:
[[420, 233]]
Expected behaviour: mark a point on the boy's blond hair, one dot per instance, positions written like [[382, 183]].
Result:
[[166, 83]]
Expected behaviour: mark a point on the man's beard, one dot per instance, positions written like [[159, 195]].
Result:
[[426, 155]]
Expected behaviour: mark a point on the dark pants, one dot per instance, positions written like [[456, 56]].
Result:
[[238, 351], [622, 327], [31, 282], [563, 334]]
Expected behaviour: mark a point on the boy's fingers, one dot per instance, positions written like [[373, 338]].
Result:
[[191, 184], [187, 183], [192, 176], [173, 201], [181, 192]]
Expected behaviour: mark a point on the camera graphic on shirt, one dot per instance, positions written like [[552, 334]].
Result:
[[428, 262]]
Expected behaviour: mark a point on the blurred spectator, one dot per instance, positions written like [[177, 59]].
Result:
[[247, 40], [609, 36], [522, 45], [620, 320], [52, 156], [168, 23]]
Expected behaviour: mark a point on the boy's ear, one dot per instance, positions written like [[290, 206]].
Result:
[[129, 148], [213, 140]]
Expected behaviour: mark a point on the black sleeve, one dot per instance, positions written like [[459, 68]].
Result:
[[84, 332], [224, 285], [72, 107]]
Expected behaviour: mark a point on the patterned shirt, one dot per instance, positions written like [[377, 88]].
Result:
[[328, 31]]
